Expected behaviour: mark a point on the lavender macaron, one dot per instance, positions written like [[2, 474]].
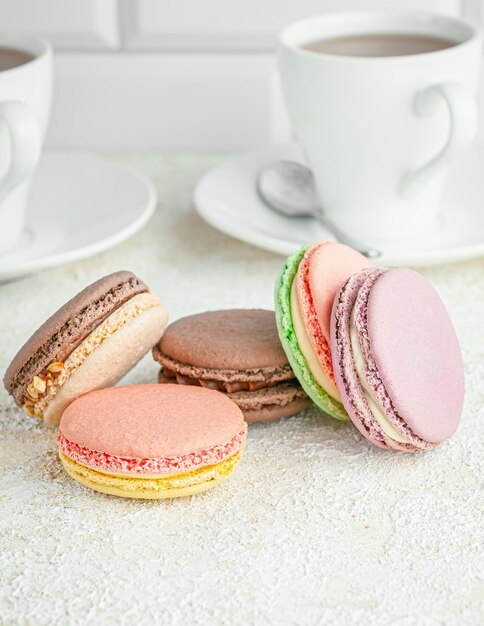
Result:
[[397, 360]]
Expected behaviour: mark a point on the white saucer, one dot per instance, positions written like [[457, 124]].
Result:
[[79, 205], [227, 199]]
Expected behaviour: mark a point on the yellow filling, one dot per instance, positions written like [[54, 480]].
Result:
[[172, 486], [307, 349], [121, 316]]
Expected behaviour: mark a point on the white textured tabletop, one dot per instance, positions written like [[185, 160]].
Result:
[[315, 527]]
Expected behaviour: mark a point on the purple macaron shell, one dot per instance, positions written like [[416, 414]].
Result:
[[417, 354], [412, 357], [352, 393]]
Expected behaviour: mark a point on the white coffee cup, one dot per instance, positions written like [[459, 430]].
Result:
[[25, 100], [380, 132]]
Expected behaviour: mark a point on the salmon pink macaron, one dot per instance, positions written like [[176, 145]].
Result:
[[397, 359], [152, 441], [305, 290]]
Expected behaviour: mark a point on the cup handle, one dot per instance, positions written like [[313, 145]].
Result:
[[463, 115], [25, 144]]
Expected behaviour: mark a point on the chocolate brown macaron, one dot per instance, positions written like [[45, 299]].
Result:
[[237, 352], [89, 343]]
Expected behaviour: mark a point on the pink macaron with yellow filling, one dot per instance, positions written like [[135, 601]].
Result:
[[152, 441]]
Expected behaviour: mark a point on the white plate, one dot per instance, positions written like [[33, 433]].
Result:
[[227, 199], [79, 205]]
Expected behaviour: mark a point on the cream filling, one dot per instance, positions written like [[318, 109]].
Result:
[[377, 412], [307, 349], [118, 320]]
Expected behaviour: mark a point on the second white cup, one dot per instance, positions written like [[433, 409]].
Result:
[[380, 132]]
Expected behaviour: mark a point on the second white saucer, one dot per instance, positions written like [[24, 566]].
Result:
[[227, 199]]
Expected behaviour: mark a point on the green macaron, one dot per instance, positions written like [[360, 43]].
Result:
[[290, 343]]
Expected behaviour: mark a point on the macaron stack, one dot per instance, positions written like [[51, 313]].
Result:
[[372, 344], [143, 441], [236, 352], [367, 344]]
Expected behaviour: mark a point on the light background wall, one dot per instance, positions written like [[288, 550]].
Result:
[[186, 75]]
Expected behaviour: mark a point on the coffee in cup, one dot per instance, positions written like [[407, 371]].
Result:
[[379, 45], [12, 57]]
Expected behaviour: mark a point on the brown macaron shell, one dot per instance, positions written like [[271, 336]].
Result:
[[272, 412], [261, 405], [60, 335], [229, 380], [237, 352]]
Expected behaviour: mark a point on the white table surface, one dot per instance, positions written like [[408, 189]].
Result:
[[315, 527]]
